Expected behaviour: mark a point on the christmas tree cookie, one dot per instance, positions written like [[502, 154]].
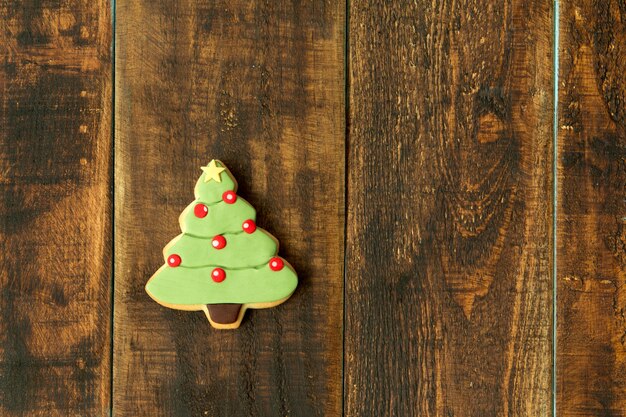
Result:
[[222, 263]]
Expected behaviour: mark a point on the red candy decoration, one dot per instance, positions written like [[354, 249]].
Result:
[[200, 210], [219, 242], [229, 197], [276, 264], [174, 260], [218, 275], [249, 226]]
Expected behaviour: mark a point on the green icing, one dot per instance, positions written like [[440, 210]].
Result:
[[244, 259], [194, 286], [242, 250], [211, 192], [222, 218]]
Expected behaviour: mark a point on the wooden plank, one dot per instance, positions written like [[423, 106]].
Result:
[[591, 236], [448, 286], [55, 208], [259, 85]]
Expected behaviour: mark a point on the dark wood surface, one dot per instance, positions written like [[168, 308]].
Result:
[[55, 208], [591, 225], [448, 271], [259, 85], [435, 173]]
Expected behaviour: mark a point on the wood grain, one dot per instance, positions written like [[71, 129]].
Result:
[[448, 273], [55, 208], [591, 361], [259, 85]]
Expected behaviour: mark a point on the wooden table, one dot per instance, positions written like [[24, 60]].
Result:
[[440, 208]]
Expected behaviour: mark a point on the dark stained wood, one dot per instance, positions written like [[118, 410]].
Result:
[[259, 85], [448, 286], [591, 361], [55, 208]]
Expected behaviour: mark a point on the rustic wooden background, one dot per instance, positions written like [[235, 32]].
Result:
[[405, 154]]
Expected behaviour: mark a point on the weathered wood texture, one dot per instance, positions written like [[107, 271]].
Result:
[[55, 207], [259, 85], [448, 285], [591, 361]]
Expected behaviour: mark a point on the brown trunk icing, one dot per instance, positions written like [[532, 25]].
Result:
[[224, 313]]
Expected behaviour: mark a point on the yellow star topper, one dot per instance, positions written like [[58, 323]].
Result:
[[212, 172]]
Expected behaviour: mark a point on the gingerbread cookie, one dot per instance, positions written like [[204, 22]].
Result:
[[222, 263]]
